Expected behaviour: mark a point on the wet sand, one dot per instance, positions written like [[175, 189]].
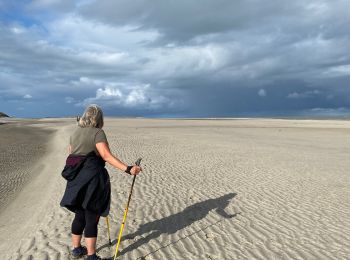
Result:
[[211, 189]]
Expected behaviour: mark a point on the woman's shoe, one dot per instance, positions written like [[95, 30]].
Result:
[[78, 252], [94, 257]]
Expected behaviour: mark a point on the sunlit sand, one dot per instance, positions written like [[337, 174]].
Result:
[[210, 189]]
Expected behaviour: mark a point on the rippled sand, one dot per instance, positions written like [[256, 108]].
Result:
[[21, 147], [211, 189]]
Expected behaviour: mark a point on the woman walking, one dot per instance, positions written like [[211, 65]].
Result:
[[88, 191]]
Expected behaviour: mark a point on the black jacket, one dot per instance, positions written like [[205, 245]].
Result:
[[88, 186]]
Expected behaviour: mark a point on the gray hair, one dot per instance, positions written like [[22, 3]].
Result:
[[92, 117]]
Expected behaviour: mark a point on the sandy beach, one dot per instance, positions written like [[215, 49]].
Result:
[[21, 146], [210, 189]]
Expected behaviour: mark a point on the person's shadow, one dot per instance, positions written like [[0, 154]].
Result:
[[178, 221]]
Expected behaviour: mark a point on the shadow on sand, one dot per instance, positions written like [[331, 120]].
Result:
[[172, 224]]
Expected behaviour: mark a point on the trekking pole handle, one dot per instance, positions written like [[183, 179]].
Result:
[[138, 161]]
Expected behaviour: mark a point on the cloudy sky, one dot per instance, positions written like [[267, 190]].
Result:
[[183, 58]]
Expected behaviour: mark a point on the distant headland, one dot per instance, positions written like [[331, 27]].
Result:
[[3, 114]]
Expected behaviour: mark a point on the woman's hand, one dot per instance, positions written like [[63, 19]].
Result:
[[135, 170]]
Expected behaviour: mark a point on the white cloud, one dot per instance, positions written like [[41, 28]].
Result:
[[262, 92], [86, 81], [108, 58], [339, 111], [17, 29], [342, 70], [136, 97], [79, 33], [27, 96], [108, 93], [185, 61], [306, 94], [69, 100], [293, 95], [129, 96]]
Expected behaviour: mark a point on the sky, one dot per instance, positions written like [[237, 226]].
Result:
[[175, 58]]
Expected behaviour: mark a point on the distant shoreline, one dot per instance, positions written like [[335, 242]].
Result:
[[4, 120]]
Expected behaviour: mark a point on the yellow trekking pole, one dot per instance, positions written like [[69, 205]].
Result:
[[108, 230], [126, 212]]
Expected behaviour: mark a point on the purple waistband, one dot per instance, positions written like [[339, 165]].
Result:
[[74, 160]]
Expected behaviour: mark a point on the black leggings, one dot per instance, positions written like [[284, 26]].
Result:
[[85, 219]]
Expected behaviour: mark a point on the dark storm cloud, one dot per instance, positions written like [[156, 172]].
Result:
[[199, 58], [186, 19]]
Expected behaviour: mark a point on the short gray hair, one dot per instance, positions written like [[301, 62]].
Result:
[[92, 117]]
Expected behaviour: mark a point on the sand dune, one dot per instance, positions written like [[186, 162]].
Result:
[[211, 189]]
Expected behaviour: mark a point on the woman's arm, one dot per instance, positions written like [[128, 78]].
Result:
[[105, 153]]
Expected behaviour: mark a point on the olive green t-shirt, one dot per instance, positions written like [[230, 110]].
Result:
[[84, 140]]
